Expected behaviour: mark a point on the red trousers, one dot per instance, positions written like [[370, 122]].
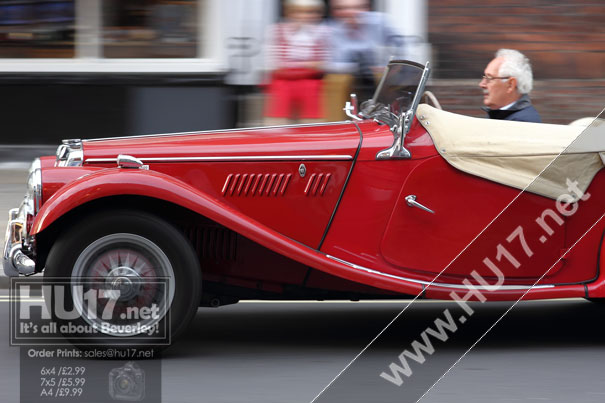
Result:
[[300, 98]]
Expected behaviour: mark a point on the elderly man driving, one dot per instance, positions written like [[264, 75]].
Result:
[[506, 83]]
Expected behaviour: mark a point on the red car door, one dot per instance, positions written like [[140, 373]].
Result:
[[471, 215]]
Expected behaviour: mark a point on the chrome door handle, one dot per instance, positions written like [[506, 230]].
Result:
[[411, 201]]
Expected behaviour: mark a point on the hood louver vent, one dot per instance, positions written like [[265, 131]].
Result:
[[316, 186], [273, 184]]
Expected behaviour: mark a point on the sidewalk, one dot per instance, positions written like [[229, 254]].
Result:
[[14, 156]]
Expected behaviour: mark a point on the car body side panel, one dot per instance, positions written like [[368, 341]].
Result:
[[467, 207], [583, 259], [111, 182], [277, 143], [416, 240], [596, 289], [55, 178], [273, 193], [288, 177], [360, 222], [375, 228], [47, 161]]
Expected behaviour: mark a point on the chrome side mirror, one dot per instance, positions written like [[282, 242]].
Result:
[[352, 108], [397, 150]]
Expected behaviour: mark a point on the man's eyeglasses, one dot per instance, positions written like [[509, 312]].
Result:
[[490, 78]]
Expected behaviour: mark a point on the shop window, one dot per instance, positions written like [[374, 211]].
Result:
[[36, 29], [149, 29]]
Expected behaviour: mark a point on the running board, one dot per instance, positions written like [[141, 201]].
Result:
[[444, 285]]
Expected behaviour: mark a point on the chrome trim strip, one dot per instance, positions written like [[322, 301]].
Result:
[[34, 185], [243, 129], [232, 158], [444, 285]]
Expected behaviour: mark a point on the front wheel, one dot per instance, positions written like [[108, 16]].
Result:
[[129, 278]]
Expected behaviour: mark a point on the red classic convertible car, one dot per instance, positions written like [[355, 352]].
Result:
[[404, 199]]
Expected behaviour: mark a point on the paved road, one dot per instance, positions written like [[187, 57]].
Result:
[[287, 352]]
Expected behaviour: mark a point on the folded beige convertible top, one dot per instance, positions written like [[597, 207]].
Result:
[[532, 156]]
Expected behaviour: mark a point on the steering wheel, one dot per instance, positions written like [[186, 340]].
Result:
[[430, 98]]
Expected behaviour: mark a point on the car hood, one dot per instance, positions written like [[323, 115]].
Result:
[[332, 141]]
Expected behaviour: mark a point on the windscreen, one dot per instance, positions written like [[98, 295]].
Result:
[[399, 85]]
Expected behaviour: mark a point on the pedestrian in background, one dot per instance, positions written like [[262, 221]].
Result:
[[359, 42], [506, 83], [297, 52]]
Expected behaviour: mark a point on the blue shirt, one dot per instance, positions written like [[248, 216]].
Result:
[[358, 50]]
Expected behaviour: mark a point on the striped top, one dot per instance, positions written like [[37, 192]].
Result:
[[291, 47]]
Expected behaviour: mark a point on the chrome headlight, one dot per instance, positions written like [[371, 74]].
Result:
[[34, 186]]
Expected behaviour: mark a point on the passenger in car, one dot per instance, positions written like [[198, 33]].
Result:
[[507, 81]]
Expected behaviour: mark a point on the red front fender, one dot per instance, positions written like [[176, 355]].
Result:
[[122, 182]]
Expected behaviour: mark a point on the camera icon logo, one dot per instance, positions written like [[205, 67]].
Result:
[[127, 383]]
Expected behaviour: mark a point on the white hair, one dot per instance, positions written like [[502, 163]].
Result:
[[516, 64]]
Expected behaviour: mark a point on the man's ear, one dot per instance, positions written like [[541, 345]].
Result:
[[511, 85]]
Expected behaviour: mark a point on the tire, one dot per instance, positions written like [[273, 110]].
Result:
[[124, 249]]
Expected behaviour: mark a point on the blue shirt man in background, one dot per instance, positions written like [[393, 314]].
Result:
[[360, 42]]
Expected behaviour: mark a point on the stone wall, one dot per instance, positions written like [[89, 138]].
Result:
[[564, 40]]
